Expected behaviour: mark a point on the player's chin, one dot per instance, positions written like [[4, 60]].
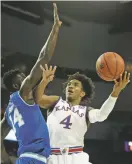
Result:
[[69, 97]]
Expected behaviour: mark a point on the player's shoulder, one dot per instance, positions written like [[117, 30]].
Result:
[[82, 107], [89, 108], [14, 94], [60, 102], [15, 97]]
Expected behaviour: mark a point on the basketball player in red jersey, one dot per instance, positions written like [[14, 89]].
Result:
[[68, 119]]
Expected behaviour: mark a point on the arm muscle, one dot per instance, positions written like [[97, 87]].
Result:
[[5, 128], [44, 57]]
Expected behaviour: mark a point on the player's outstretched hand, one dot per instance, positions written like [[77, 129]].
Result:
[[48, 73], [56, 17], [123, 81]]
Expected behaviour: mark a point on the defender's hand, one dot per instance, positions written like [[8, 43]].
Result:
[[48, 73], [56, 17]]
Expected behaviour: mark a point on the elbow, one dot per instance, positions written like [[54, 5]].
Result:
[[102, 118], [43, 57], [38, 100], [37, 97]]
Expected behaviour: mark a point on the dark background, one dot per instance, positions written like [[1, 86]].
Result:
[[89, 29]]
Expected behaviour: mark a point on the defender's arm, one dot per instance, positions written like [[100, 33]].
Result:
[[5, 128], [44, 57]]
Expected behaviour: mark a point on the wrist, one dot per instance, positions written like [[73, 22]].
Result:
[[45, 81], [56, 27], [115, 93]]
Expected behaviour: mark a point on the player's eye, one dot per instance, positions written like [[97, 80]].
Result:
[[75, 84]]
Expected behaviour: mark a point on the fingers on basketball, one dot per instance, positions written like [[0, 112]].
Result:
[[125, 76], [128, 77], [120, 78], [115, 81]]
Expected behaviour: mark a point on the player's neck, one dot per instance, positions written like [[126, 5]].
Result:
[[73, 102]]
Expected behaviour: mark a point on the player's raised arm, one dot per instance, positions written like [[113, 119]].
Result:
[[5, 128], [99, 115], [43, 100], [44, 57]]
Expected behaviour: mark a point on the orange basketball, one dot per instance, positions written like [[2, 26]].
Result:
[[109, 66]]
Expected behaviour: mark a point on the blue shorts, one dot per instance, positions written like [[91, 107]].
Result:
[[27, 160], [31, 158]]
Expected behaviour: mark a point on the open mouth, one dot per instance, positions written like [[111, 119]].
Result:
[[70, 91]]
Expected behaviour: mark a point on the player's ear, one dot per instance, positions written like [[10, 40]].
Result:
[[83, 94], [16, 86]]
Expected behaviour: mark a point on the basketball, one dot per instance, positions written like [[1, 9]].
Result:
[[109, 66]]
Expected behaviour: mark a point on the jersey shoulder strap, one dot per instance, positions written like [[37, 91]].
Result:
[[50, 110], [87, 119]]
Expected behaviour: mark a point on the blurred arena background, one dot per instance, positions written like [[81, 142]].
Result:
[[89, 29]]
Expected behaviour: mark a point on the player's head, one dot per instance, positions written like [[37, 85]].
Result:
[[79, 88], [13, 80]]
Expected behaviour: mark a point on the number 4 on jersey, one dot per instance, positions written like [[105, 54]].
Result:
[[66, 122], [18, 118]]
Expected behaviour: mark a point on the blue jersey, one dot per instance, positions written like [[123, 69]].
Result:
[[29, 126]]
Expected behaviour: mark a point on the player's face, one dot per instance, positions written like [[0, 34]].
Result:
[[18, 81], [74, 90]]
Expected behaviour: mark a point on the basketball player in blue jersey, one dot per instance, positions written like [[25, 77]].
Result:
[[22, 114]]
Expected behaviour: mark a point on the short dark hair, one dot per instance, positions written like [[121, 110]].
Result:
[[8, 79], [88, 87]]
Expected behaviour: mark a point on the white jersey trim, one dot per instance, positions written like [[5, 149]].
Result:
[[55, 104], [24, 101], [35, 156]]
